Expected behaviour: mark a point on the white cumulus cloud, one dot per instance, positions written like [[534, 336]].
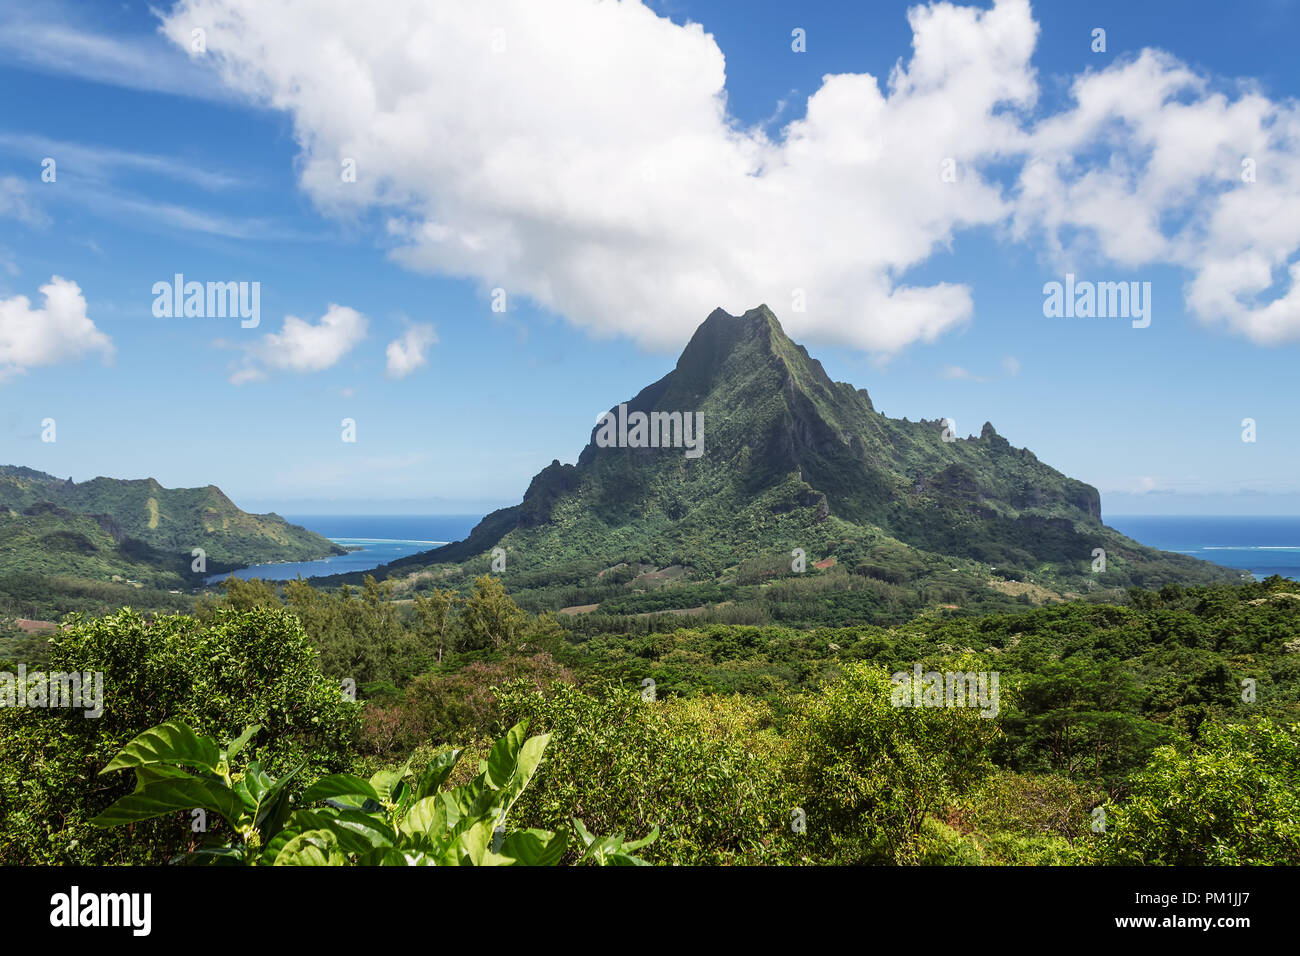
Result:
[[57, 331], [408, 353], [1187, 176], [581, 155], [302, 346]]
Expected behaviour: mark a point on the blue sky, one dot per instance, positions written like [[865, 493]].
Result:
[[217, 165]]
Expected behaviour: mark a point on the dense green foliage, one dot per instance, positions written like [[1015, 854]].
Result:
[[706, 772], [392, 819], [40, 597], [235, 669], [1173, 714], [870, 774], [710, 646], [1233, 798]]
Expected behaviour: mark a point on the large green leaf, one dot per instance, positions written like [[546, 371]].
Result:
[[273, 805], [530, 755], [233, 748], [340, 786], [251, 785], [388, 783], [272, 847], [474, 843], [390, 856], [152, 773], [356, 832], [473, 799], [169, 794], [503, 759], [436, 774], [312, 848], [427, 817], [585, 835], [172, 742], [265, 799], [624, 859], [644, 841], [535, 847]]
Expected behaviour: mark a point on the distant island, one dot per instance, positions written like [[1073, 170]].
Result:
[[62, 543]]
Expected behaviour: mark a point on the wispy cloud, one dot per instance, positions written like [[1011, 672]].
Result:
[[781, 106], [1010, 369], [133, 209], [87, 177], [87, 161], [51, 39], [409, 353], [16, 202], [957, 372]]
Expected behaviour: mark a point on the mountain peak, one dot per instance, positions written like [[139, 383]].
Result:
[[783, 448], [756, 315], [722, 324], [722, 336]]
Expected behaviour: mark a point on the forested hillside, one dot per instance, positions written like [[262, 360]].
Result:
[[62, 543], [1162, 729]]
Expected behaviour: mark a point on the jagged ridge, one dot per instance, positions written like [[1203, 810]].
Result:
[[793, 458]]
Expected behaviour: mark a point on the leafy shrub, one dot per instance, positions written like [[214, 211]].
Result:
[[1027, 820], [869, 774], [705, 771], [1232, 799], [392, 819], [218, 675], [448, 706], [1027, 805]]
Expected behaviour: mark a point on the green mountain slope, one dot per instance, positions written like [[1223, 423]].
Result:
[[792, 460], [136, 529]]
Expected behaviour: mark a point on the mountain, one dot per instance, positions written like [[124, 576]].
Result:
[[136, 529], [791, 459]]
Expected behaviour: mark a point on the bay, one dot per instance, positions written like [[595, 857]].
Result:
[[376, 540]]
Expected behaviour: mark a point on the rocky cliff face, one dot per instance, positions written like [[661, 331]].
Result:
[[789, 455]]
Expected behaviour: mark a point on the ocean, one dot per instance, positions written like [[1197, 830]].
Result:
[[378, 538], [1262, 545]]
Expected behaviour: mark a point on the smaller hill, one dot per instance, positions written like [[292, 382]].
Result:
[[136, 530]]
